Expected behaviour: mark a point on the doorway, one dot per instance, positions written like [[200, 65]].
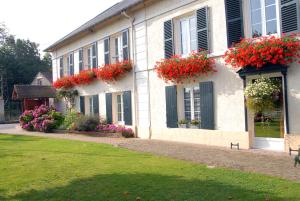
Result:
[[269, 125]]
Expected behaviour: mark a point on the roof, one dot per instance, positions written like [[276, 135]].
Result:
[[33, 91], [110, 12]]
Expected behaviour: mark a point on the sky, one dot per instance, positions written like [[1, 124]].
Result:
[[45, 22]]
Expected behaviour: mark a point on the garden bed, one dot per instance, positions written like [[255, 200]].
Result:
[[97, 134]]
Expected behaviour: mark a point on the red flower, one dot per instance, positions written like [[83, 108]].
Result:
[[113, 72], [260, 51], [177, 69]]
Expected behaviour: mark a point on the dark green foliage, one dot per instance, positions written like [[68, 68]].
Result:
[[86, 123]]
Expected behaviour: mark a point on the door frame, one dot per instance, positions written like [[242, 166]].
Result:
[[267, 69]]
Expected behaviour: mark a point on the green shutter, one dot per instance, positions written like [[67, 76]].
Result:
[[207, 105], [289, 16], [202, 29], [234, 19], [96, 105], [82, 105], [108, 98], [171, 106], [127, 108], [168, 39]]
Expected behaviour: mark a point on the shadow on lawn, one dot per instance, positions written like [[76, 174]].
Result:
[[122, 187]]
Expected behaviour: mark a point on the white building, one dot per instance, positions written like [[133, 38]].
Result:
[[150, 30]]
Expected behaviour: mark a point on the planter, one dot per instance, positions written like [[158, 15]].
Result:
[[182, 125], [194, 126]]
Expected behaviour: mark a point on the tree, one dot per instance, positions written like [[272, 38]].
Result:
[[20, 60]]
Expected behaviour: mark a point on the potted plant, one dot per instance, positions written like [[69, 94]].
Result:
[[182, 123], [194, 124]]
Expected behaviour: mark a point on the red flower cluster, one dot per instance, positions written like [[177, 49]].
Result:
[[114, 72], [64, 82], [264, 50], [177, 69], [106, 73]]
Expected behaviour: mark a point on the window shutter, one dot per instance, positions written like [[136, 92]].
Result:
[[125, 40], [207, 105], [82, 105], [61, 67], [168, 38], [94, 55], [96, 105], [80, 59], [202, 29], [234, 19], [89, 58], [171, 106], [289, 15], [127, 108], [106, 51], [108, 98], [72, 64]]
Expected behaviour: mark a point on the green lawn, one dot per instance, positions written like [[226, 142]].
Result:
[[271, 129], [37, 169]]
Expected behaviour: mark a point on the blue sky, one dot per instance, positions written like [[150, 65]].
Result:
[[45, 22]]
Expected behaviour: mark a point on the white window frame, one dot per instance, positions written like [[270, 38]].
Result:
[[192, 101], [263, 17], [120, 121], [91, 56], [118, 53], [188, 36]]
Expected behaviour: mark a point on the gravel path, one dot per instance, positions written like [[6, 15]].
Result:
[[266, 162]]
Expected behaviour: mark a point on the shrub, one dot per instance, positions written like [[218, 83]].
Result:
[[126, 132], [42, 118], [70, 119], [86, 123]]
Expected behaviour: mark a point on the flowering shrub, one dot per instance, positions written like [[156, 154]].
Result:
[[114, 72], [264, 50], [42, 118], [260, 94], [177, 69], [126, 132]]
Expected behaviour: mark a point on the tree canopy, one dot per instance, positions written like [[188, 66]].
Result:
[[20, 60]]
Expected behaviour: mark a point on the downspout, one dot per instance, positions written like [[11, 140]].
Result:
[[132, 41]]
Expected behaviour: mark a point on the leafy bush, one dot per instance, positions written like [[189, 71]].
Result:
[[70, 119], [126, 132], [42, 118], [86, 123]]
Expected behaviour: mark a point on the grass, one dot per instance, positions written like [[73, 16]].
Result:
[[271, 129], [37, 169]]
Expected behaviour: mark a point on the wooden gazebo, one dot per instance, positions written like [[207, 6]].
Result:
[[33, 95]]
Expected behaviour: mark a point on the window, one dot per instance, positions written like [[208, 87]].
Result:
[[80, 59], [39, 81], [91, 100], [94, 105], [188, 35], [264, 17], [61, 67], [92, 56], [192, 103], [120, 108], [71, 64], [106, 51]]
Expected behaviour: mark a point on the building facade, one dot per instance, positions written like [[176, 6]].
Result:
[[146, 31]]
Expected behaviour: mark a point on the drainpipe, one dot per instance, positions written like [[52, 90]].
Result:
[[132, 19]]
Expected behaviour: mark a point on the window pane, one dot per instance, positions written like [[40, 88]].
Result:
[[256, 17], [193, 34], [184, 37], [255, 4], [270, 2], [270, 12], [119, 99], [187, 93], [197, 115], [94, 49], [94, 62], [272, 27], [256, 30], [187, 116]]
